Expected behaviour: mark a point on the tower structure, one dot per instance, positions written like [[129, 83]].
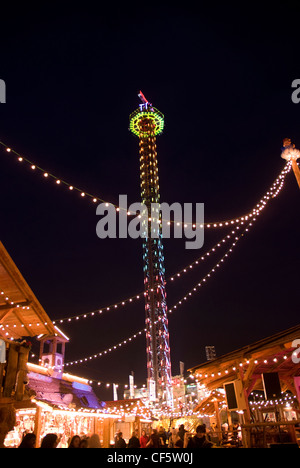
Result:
[[147, 122], [52, 352]]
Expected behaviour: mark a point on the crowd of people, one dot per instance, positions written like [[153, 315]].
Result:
[[53, 440], [174, 438]]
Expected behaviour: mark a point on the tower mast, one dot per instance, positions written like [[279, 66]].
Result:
[[147, 122]]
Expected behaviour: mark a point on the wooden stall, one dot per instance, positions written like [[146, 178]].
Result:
[[130, 416], [268, 368], [42, 398], [21, 317]]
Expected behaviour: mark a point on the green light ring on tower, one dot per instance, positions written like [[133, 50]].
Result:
[[138, 116]]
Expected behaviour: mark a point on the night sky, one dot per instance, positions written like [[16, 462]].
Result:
[[222, 78]]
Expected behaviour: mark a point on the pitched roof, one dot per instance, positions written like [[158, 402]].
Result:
[[62, 393], [271, 354], [21, 314], [278, 340]]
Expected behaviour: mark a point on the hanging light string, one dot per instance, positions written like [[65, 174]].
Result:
[[196, 288], [33, 367], [100, 311], [129, 300], [207, 254], [214, 269], [5, 329], [201, 377], [286, 399], [177, 275], [271, 193], [48, 175], [107, 351]]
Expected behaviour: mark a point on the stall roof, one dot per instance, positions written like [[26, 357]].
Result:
[[208, 405], [63, 393], [21, 314], [134, 406], [272, 354]]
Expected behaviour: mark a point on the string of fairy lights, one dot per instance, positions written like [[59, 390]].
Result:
[[95, 199], [131, 299], [271, 193], [196, 287], [176, 306], [7, 327], [174, 277], [202, 377], [259, 403], [239, 222], [274, 190]]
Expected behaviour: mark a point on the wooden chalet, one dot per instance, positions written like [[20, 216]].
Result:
[[36, 398], [263, 380], [133, 416], [21, 314], [21, 317], [43, 398]]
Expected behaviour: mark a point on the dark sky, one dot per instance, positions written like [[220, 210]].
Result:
[[222, 77]]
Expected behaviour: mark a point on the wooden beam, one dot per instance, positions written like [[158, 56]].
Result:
[[38, 425], [254, 379], [14, 305], [11, 373], [5, 314], [247, 412], [22, 372], [248, 374], [12, 276], [22, 322], [1, 377]]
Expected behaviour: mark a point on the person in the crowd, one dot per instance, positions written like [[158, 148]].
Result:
[[178, 442], [28, 441], [120, 443], [134, 441], [199, 440], [173, 437], [117, 435], [162, 437], [181, 432], [144, 439], [75, 442], [94, 441], [154, 440], [50, 441], [84, 443]]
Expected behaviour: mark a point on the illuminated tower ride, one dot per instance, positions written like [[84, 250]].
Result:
[[147, 122]]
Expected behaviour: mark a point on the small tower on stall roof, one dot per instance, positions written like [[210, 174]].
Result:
[[52, 352]]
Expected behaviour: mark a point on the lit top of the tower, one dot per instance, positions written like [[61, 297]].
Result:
[[144, 112]]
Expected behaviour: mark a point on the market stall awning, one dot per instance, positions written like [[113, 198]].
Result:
[[130, 407], [21, 314], [209, 404]]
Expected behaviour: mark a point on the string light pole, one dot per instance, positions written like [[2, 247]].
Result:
[[147, 122]]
